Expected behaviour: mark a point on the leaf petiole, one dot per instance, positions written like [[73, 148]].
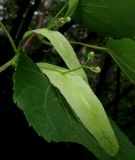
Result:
[[76, 43], [90, 46]]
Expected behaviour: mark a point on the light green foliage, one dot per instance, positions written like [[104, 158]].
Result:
[[50, 115], [123, 52], [63, 48], [107, 17], [85, 105]]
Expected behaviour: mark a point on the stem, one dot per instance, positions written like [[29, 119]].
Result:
[[9, 37], [77, 43], [90, 46], [11, 62], [81, 67], [57, 15]]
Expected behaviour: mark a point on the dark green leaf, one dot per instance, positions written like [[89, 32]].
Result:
[[107, 17], [123, 52], [50, 115]]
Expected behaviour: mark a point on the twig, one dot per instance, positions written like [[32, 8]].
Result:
[[39, 25], [90, 46], [78, 43]]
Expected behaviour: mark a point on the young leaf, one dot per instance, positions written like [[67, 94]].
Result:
[[107, 17], [50, 115], [72, 7], [123, 52], [64, 49], [86, 106]]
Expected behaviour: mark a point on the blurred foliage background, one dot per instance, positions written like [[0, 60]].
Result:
[[111, 86]]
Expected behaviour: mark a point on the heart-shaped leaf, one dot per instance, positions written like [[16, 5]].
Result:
[[50, 115]]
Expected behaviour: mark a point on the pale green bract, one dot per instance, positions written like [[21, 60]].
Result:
[[63, 48], [85, 105]]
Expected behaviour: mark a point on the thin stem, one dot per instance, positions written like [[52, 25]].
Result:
[[57, 15], [73, 70], [11, 62], [77, 43], [9, 37], [90, 46], [82, 67]]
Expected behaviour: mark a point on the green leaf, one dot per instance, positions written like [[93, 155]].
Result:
[[50, 115], [72, 7], [63, 48], [107, 17], [85, 105], [123, 52], [52, 67]]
